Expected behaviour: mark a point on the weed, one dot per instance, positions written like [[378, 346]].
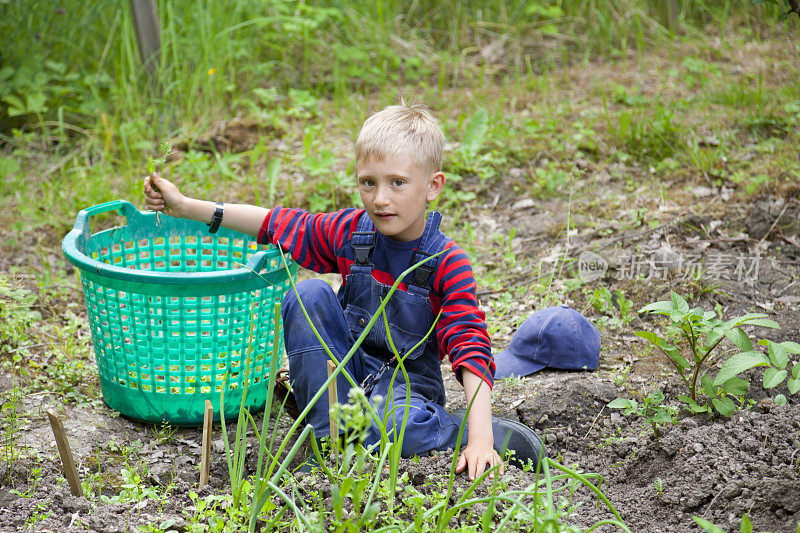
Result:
[[33, 483], [698, 72], [708, 159], [752, 183], [659, 485], [474, 157], [165, 433], [12, 410], [549, 179], [133, 488], [165, 526], [66, 370], [630, 97], [474, 137], [652, 137], [615, 308], [762, 126], [620, 374], [38, 514], [455, 195], [746, 93], [16, 318], [745, 525], [652, 410]]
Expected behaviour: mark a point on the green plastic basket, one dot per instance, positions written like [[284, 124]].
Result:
[[174, 313]]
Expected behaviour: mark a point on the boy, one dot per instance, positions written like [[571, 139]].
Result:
[[398, 167]]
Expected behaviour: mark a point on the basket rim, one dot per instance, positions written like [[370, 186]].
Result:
[[77, 237]]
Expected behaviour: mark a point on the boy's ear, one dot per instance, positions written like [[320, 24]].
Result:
[[435, 185]]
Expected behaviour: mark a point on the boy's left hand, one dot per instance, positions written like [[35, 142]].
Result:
[[476, 457]]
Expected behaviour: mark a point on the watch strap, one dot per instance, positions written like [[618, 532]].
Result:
[[216, 218]]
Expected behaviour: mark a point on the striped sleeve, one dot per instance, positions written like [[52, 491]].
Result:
[[313, 240], [461, 330]]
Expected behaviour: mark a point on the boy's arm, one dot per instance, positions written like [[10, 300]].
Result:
[[163, 195], [479, 452], [314, 241]]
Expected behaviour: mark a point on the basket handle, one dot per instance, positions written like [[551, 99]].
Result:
[[123, 206], [82, 226], [256, 263]]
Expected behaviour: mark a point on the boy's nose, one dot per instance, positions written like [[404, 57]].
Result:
[[382, 197]]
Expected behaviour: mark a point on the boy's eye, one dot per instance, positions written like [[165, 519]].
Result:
[[397, 182], [367, 183]]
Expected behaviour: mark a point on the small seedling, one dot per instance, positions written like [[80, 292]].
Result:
[[165, 433], [163, 150], [36, 474], [614, 306], [652, 409]]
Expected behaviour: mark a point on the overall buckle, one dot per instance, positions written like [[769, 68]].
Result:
[[422, 273], [362, 242]]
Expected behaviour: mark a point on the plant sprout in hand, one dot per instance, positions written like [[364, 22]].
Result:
[[163, 150]]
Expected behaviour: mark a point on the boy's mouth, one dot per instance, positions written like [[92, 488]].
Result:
[[385, 216]]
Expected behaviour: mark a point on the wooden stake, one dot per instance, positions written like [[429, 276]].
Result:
[[205, 457], [67, 462], [148, 33], [333, 399]]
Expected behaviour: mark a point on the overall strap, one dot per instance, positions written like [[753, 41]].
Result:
[[432, 242], [363, 242]]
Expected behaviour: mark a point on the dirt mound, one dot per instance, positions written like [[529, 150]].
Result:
[[716, 469]]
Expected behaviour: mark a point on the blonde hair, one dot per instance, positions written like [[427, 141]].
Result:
[[402, 131]]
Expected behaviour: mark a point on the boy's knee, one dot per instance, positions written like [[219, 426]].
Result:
[[311, 292], [397, 417]]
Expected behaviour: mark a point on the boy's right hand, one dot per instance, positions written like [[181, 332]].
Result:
[[162, 195]]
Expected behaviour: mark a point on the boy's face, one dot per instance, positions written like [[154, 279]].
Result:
[[395, 193]]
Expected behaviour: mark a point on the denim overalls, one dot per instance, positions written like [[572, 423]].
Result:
[[340, 321]]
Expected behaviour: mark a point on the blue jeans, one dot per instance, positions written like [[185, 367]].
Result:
[[428, 426]]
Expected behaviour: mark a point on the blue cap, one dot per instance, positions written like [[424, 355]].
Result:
[[555, 337]]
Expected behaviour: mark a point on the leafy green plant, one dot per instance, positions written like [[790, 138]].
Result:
[[473, 157], [629, 96], [33, 483], [745, 525], [693, 343], [12, 412], [133, 487], [651, 137], [615, 308], [776, 365], [549, 179], [16, 318], [659, 485], [752, 182], [475, 135], [67, 371], [709, 160], [652, 409], [38, 514]]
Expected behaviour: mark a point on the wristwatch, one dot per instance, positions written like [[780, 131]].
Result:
[[216, 218]]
